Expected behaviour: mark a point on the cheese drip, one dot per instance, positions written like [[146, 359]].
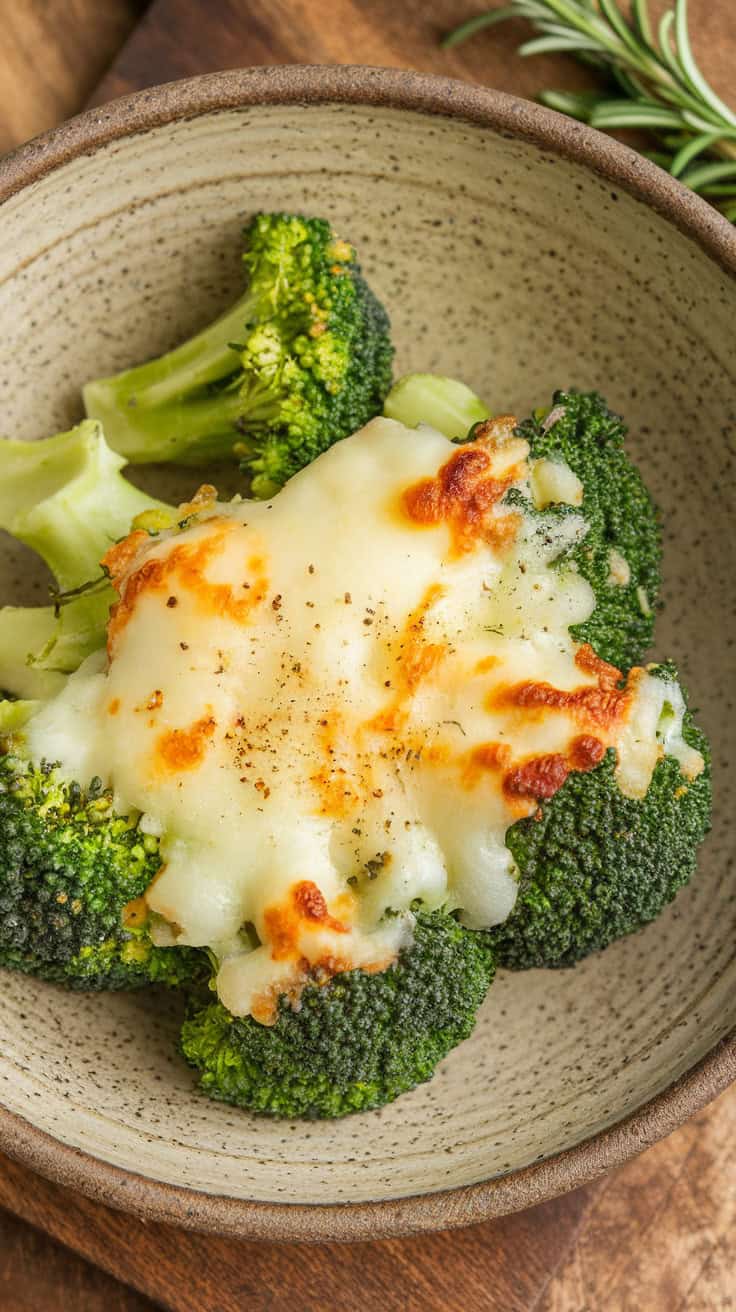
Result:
[[334, 703]]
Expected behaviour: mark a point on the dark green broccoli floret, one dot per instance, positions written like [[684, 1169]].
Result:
[[303, 359], [620, 553], [355, 1043], [66, 497], [598, 865], [580, 430], [68, 868]]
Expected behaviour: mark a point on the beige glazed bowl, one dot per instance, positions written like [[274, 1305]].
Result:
[[522, 252]]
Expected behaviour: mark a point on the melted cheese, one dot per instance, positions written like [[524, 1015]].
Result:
[[334, 703]]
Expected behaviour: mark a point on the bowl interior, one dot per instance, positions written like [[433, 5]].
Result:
[[519, 272]]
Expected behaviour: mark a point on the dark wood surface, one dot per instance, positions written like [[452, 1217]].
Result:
[[656, 1236]]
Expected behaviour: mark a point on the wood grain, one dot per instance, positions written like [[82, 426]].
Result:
[[655, 1236], [179, 38], [502, 1266], [52, 53], [198, 37], [658, 1235], [37, 1274]]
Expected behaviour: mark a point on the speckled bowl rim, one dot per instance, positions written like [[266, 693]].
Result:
[[622, 168]]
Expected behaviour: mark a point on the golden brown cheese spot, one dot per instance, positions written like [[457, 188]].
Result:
[[155, 701], [462, 494], [327, 966], [310, 903], [203, 498], [183, 749], [135, 913], [602, 705], [485, 758], [265, 1006], [185, 564], [586, 752], [303, 908], [119, 558], [113, 706], [590, 662], [539, 778], [590, 704]]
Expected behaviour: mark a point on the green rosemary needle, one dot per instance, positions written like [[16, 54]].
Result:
[[659, 85]]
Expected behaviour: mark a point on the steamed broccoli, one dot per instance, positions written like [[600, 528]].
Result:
[[68, 865], [596, 865], [620, 553], [65, 497], [354, 1043], [303, 359], [69, 868]]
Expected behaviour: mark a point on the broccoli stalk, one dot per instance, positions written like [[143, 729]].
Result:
[[303, 359], [65, 497], [355, 1043], [443, 403]]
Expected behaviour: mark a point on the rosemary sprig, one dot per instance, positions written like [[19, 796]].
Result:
[[659, 85], [92, 586]]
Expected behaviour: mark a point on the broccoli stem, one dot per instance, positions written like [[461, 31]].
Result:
[[14, 714], [443, 403], [301, 360], [162, 410], [38, 649], [65, 497]]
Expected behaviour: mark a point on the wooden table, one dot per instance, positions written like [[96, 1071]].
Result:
[[656, 1236]]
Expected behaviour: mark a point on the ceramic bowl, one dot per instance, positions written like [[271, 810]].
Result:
[[521, 251]]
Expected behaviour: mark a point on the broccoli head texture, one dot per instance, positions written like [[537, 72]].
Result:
[[620, 553], [69, 867], [354, 1043], [304, 358], [598, 865]]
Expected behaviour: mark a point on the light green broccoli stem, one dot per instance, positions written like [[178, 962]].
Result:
[[443, 403], [162, 410], [15, 714], [66, 498], [39, 649]]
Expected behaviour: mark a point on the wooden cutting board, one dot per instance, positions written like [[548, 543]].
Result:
[[656, 1236]]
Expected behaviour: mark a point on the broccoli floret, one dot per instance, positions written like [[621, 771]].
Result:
[[597, 865], [303, 359], [69, 868], [620, 554], [355, 1043], [65, 497]]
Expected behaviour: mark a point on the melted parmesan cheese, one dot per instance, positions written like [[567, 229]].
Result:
[[336, 702]]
